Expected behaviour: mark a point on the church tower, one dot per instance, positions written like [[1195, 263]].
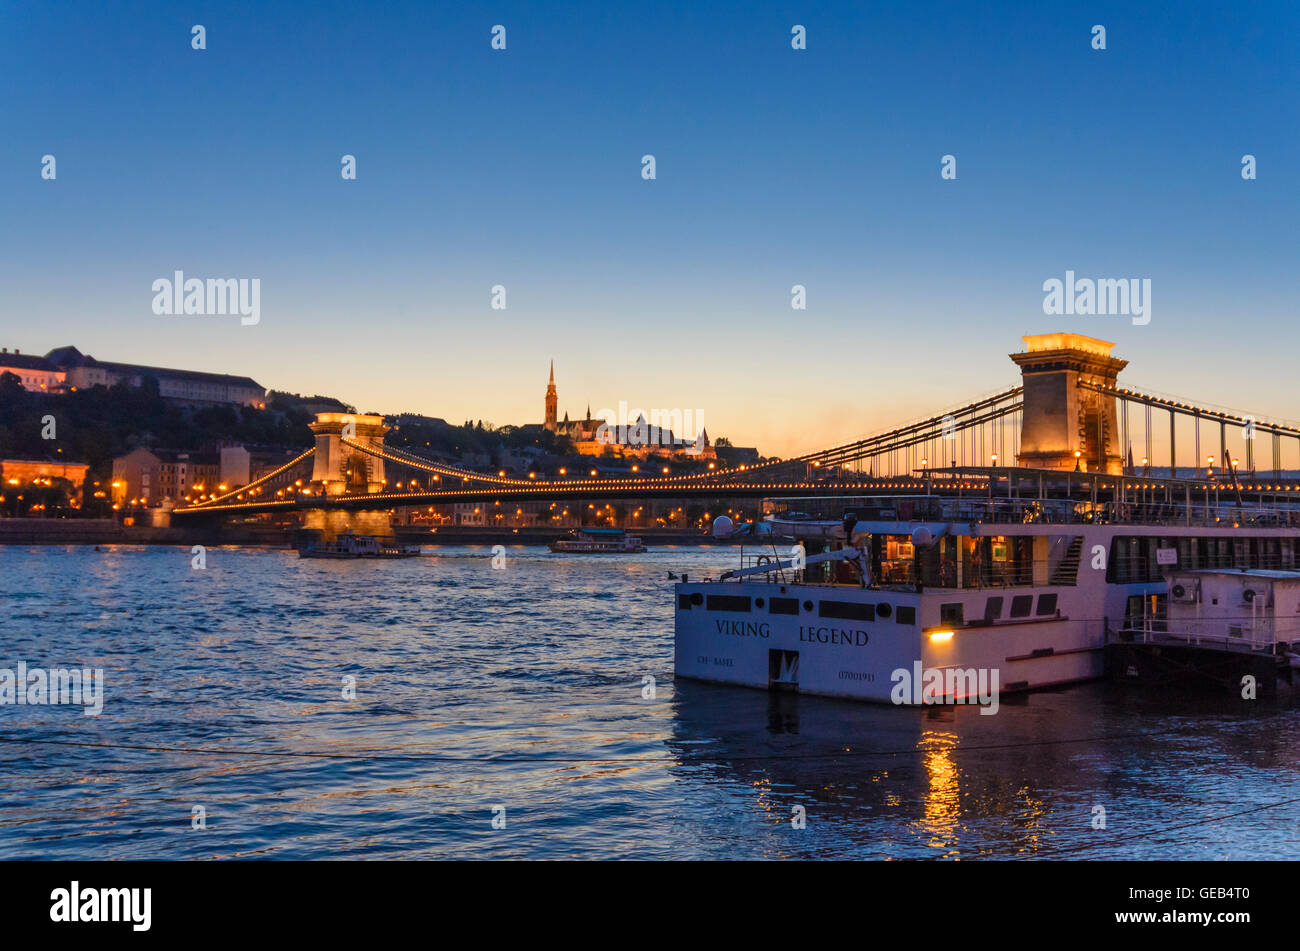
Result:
[[552, 402]]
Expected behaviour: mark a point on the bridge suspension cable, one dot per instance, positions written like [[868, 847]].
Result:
[[903, 441], [1177, 407], [415, 462], [258, 482]]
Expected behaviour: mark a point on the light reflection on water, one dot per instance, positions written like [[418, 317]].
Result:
[[522, 688]]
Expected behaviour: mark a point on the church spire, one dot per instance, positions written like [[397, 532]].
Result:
[[552, 402]]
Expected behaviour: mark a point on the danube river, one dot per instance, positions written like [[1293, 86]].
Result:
[[505, 714]]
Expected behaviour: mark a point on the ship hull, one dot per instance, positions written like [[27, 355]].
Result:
[[727, 633]]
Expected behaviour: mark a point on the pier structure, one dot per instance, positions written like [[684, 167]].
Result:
[[1236, 630]]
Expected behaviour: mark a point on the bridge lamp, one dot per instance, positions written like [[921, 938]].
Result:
[[665, 470], [593, 473], [564, 471], [995, 458], [1078, 465]]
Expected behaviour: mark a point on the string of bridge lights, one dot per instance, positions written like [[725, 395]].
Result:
[[809, 459], [516, 487]]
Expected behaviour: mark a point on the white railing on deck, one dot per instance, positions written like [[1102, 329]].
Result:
[[1261, 633]]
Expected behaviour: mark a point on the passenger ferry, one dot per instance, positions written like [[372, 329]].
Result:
[[311, 544], [857, 589], [598, 541]]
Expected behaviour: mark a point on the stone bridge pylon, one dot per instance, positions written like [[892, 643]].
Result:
[[1069, 419], [341, 468]]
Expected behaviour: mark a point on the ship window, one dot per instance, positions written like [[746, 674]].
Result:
[[728, 602], [784, 606], [951, 614], [1021, 605], [906, 614], [847, 610], [992, 609], [1046, 604]]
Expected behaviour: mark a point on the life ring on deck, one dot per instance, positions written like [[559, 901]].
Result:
[[763, 560]]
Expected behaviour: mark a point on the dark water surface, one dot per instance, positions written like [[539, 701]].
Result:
[[522, 688]]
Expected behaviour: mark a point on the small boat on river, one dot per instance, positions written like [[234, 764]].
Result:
[[312, 544], [598, 541]]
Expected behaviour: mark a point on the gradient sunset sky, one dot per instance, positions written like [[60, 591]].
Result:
[[775, 167]]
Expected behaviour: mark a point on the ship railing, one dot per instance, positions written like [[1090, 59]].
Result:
[[897, 572], [1243, 633], [1135, 569], [1223, 510]]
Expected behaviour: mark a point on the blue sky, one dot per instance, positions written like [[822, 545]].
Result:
[[775, 167]]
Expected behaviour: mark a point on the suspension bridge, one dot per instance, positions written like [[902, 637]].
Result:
[[1068, 417]]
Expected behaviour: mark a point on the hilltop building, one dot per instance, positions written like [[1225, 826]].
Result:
[[637, 439], [37, 374], [67, 368]]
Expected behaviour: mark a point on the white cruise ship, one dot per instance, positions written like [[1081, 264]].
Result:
[[1029, 588]]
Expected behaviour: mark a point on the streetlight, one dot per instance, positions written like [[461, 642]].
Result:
[[1078, 463]]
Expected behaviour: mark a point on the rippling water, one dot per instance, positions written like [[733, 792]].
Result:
[[522, 688]]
